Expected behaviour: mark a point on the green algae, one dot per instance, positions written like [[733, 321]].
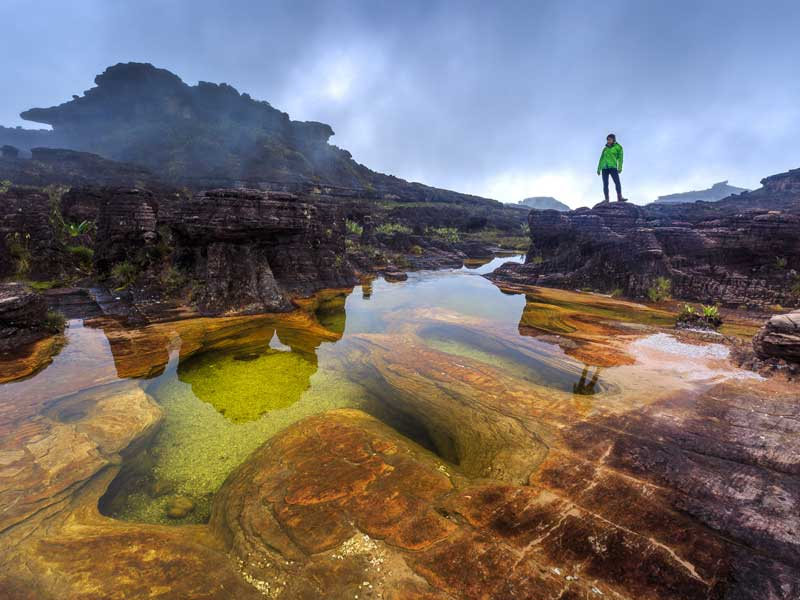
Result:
[[245, 385], [197, 447]]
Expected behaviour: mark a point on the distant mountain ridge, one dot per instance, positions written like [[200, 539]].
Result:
[[716, 192], [543, 203], [207, 135]]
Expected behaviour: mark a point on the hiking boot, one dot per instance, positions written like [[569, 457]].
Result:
[[621, 199]]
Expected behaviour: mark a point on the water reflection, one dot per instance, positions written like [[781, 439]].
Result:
[[584, 387]]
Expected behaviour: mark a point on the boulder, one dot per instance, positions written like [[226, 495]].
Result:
[[779, 338]]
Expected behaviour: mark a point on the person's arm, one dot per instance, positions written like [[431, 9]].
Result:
[[600, 162], [619, 161]]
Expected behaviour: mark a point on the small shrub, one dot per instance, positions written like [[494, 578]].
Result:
[[537, 259], [339, 261], [83, 254], [124, 273], [4, 186], [796, 287], [18, 245], [76, 229], [710, 312], [54, 321], [173, 280], [661, 290], [687, 311], [417, 250], [389, 228], [448, 234], [781, 262], [616, 293], [354, 228]]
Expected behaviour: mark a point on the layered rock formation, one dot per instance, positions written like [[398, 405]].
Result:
[[22, 316], [237, 250], [742, 250], [29, 244], [780, 338]]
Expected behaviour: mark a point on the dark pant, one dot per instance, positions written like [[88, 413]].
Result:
[[615, 176]]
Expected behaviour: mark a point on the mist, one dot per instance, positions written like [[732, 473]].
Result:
[[505, 101]]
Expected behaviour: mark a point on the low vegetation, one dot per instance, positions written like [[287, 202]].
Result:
[[390, 228], [354, 228], [661, 291], [124, 274]]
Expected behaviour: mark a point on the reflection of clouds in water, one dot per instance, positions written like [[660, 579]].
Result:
[[663, 342], [664, 353]]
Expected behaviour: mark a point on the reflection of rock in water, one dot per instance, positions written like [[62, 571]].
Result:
[[331, 314], [246, 383]]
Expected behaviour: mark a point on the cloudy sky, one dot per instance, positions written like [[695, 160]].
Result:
[[502, 99]]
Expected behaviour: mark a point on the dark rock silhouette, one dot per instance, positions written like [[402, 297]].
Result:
[[543, 203], [718, 191], [57, 166], [207, 135]]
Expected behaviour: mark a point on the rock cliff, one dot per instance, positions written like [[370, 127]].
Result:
[[741, 250], [230, 250]]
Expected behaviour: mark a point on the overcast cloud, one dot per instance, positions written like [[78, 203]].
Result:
[[500, 99]]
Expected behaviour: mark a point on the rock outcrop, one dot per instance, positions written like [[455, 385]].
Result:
[[23, 315], [240, 251], [57, 166], [742, 250], [780, 338], [29, 245]]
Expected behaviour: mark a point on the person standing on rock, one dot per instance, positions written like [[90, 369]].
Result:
[[611, 165]]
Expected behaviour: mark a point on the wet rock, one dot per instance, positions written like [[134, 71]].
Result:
[[394, 276], [779, 338]]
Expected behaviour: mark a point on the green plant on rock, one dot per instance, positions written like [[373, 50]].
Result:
[[173, 280], [687, 311], [710, 312], [76, 229], [18, 245], [354, 228], [781, 262], [537, 259], [83, 254], [796, 287], [390, 228], [5, 184], [661, 290], [54, 321], [616, 293], [448, 234], [416, 250], [124, 274]]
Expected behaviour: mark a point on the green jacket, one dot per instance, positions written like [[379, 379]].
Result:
[[611, 158]]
